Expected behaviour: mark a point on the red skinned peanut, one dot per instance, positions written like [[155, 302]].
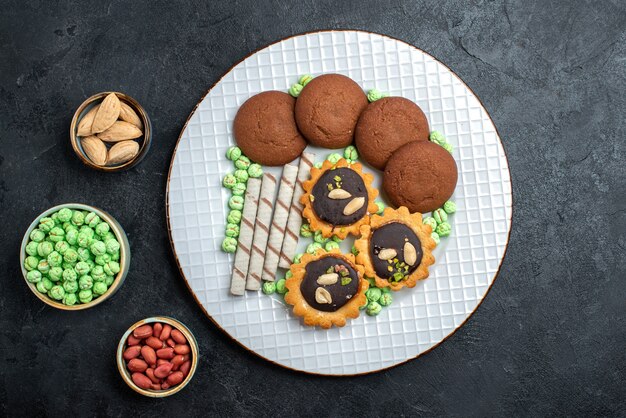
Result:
[[137, 365], [165, 353], [175, 378], [163, 370], [131, 352], [182, 349], [142, 332], [152, 377], [154, 342], [178, 336], [148, 354], [156, 329], [141, 380], [165, 332], [132, 340], [185, 367]]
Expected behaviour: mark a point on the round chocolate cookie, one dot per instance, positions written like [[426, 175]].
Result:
[[421, 176], [341, 291], [328, 109], [387, 124], [266, 131], [331, 209], [394, 236]]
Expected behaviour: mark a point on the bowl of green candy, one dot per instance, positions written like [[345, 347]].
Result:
[[74, 256]]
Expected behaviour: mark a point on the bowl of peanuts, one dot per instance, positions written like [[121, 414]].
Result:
[[157, 356]]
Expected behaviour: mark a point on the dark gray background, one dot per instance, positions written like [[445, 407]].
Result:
[[550, 336]]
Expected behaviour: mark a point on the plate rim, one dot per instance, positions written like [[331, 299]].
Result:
[[169, 226]]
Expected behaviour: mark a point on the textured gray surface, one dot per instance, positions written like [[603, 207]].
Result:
[[549, 338]]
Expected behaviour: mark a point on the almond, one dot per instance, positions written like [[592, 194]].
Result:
[[387, 253], [328, 278], [354, 205], [322, 296], [127, 114], [120, 131], [122, 152], [84, 126], [95, 149], [107, 114], [338, 194], [410, 254]]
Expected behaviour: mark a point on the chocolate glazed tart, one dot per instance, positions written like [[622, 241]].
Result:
[[326, 288], [384, 245]]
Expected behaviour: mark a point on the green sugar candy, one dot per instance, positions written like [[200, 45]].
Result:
[[31, 248], [41, 287], [373, 308], [318, 237], [239, 189], [61, 247], [99, 288], [101, 260], [55, 259], [55, 274], [234, 217], [85, 282], [56, 234], [112, 246], [67, 226], [57, 292], [380, 208], [70, 299], [232, 230], [430, 221], [115, 257], [449, 207], [229, 181], [435, 237], [336, 239], [241, 176], [375, 94], [81, 268], [37, 235], [236, 202], [65, 215], [83, 254], [334, 158], [70, 256], [288, 275], [98, 274], [69, 275], [229, 245], [296, 260], [43, 266], [85, 296], [350, 153], [280, 286], [331, 245], [92, 219], [111, 268], [233, 153], [44, 248], [72, 236], [385, 299], [242, 163], [440, 216], [47, 283], [84, 240], [55, 218], [78, 218], [108, 280], [34, 276], [255, 170], [305, 230], [98, 248], [102, 229], [30, 263], [318, 165], [109, 235], [443, 229], [373, 294], [437, 137], [46, 224], [448, 147], [305, 79], [295, 89], [269, 288], [313, 247], [70, 286]]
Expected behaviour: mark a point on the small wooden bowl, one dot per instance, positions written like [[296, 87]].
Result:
[[126, 375], [144, 144], [124, 257]]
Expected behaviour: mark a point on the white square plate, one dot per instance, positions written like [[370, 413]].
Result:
[[419, 318]]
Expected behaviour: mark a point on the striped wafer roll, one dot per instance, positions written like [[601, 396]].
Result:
[[261, 232], [279, 221], [294, 222], [246, 231]]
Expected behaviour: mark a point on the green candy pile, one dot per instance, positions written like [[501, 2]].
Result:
[[236, 183], [296, 88], [438, 138], [438, 222], [375, 94], [72, 256], [377, 299]]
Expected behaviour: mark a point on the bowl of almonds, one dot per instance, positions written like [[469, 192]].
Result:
[[110, 131]]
